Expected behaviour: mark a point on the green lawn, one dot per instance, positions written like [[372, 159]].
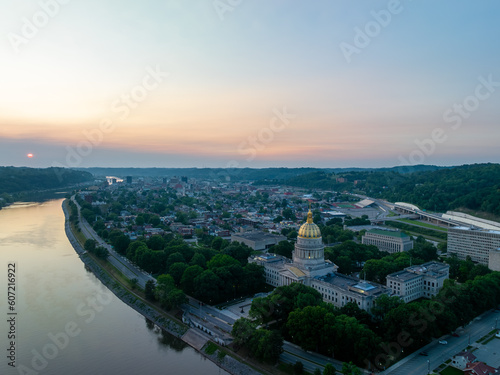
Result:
[[425, 225], [451, 371]]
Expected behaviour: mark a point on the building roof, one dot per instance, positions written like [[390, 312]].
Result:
[[467, 355], [434, 269], [364, 203], [479, 368], [309, 229], [391, 233], [402, 275], [296, 272], [353, 284]]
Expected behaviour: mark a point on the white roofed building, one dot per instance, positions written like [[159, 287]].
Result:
[[309, 267]]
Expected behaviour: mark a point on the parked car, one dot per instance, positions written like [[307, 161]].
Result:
[[454, 334], [443, 342], [424, 353], [497, 335]]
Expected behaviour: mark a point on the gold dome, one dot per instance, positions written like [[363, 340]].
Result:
[[309, 229]]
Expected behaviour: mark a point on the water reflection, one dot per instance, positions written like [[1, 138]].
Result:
[[165, 338], [55, 288]]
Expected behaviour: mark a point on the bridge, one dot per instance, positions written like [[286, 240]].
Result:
[[417, 213]]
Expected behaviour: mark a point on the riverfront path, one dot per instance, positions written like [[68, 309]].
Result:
[[128, 269]]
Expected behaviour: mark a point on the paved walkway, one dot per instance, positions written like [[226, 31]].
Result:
[[194, 338]]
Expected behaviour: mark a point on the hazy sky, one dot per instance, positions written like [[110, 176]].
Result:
[[249, 83]]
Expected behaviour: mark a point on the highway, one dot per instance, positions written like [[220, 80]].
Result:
[[128, 269]]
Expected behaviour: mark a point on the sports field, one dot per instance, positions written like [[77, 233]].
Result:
[[345, 205]]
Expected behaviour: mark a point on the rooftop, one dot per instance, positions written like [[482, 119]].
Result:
[[390, 233], [353, 284], [256, 235]]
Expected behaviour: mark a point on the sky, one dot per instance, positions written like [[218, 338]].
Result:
[[240, 83]]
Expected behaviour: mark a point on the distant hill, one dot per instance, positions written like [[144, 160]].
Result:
[[473, 187], [15, 180], [239, 174]]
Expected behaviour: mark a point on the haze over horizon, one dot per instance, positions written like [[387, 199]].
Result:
[[227, 83]]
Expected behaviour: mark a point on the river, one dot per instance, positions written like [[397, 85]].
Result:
[[64, 320]]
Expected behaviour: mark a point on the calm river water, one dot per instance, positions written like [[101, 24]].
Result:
[[68, 322]]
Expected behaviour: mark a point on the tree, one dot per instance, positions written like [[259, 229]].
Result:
[[350, 369], [207, 286], [266, 345], [329, 369], [198, 259], [188, 277], [242, 331], [169, 296], [156, 242], [174, 258], [238, 251], [281, 302], [352, 309], [284, 248], [307, 326], [278, 219], [149, 290], [101, 252], [221, 260], [298, 368], [133, 282], [120, 243], [155, 220], [383, 305], [217, 243], [288, 214], [90, 245], [176, 270], [345, 265]]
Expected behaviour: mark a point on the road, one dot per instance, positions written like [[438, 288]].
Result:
[[128, 269], [293, 353], [416, 364]]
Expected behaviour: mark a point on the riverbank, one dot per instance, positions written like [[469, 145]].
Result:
[[228, 363], [132, 300]]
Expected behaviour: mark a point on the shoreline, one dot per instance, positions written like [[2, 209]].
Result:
[[177, 330]]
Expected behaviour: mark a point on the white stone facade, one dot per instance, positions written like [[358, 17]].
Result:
[[425, 280]]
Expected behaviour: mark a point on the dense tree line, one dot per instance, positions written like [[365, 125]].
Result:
[[475, 187], [13, 179], [350, 256], [210, 275]]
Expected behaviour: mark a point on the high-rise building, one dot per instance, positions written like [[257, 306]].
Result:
[[473, 242]]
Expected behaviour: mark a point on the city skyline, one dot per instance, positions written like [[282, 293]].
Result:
[[248, 84]]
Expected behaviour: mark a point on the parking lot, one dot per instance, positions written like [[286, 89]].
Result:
[[489, 353]]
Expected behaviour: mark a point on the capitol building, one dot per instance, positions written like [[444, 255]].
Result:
[[309, 267]]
